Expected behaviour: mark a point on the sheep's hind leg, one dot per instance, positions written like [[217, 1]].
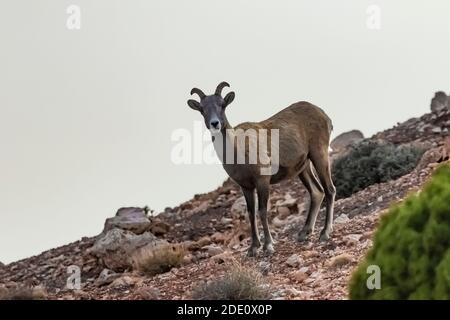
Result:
[[316, 194], [249, 195], [321, 162]]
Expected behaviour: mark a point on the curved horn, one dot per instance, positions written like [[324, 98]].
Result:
[[199, 92], [220, 87]]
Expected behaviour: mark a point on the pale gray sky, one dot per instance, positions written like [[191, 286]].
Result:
[[86, 115]]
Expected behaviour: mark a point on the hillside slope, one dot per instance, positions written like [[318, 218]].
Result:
[[213, 227]]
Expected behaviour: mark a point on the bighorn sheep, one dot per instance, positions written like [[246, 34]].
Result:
[[304, 137]]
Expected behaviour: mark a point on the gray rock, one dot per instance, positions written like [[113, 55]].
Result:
[[264, 267], [131, 219], [344, 140], [213, 250], [148, 293], [436, 130], [124, 281], [106, 277], [288, 202], [352, 238], [294, 260], [440, 102], [343, 218], [239, 208], [116, 246]]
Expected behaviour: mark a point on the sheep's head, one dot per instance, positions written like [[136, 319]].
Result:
[[212, 107]]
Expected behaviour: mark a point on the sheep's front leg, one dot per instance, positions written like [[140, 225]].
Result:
[[249, 195], [263, 198]]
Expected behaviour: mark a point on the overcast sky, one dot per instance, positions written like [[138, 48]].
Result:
[[86, 116]]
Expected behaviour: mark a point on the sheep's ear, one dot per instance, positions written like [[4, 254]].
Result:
[[229, 98], [194, 105]]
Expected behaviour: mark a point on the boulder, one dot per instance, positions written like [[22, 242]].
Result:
[[440, 102], [159, 227], [116, 246], [344, 140], [131, 219]]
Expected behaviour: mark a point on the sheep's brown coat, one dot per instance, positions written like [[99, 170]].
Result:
[[304, 137]]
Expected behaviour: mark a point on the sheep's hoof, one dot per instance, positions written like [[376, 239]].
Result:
[[268, 249], [303, 235], [325, 235], [252, 252]]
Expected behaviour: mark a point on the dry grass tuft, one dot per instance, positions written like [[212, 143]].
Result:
[[240, 283], [153, 260], [23, 292]]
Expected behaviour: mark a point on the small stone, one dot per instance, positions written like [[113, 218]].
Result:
[[213, 250], [293, 291], [218, 237], [289, 202], [239, 208], [264, 267], [380, 199], [148, 293], [227, 256], [283, 212], [201, 208], [125, 281], [225, 220], [204, 241], [299, 276], [352, 238], [106, 277], [277, 223], [343, 218], [436, 130], [310, 254], [294, 260]]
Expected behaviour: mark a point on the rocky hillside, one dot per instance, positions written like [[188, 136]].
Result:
[[209, 234]]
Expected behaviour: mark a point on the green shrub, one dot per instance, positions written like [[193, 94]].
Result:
[[412, 247], [372, 162], [239, 284]]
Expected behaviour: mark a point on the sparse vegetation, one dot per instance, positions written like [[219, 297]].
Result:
[[153, 260], [23, 293], [239, 284], [412, 247], [372, 162]]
